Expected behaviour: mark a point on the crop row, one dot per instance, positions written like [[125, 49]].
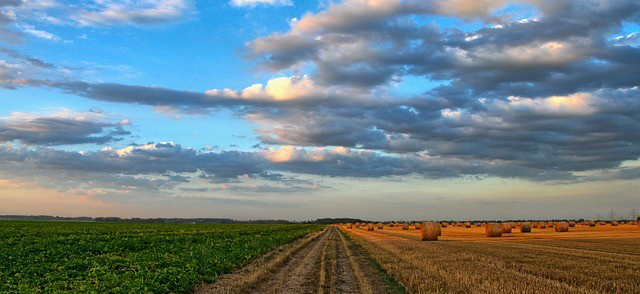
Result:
[[75, 257]]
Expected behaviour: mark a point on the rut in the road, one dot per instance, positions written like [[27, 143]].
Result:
[[325, 264]]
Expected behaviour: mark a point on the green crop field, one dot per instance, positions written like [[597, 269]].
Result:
[[85, 257]]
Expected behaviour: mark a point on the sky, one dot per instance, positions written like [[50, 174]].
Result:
[[291, 109]]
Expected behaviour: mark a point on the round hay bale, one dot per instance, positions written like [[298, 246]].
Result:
[[429, 231], [349, 226], [444, 224], [467, 225], [592, 224], [478, 224], [525, 228], [417, 226], [614, 223], [542, 225], [506, 228], [405, 227], [493, 230], [562, 227], [369, 227], [572, 224], [380, 226]]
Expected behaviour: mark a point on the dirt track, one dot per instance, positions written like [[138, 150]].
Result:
[[326, 263]]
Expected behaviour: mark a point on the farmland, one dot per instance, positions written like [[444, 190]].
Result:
[[602, 259], [326, 262], [76, 257], [85, 257]]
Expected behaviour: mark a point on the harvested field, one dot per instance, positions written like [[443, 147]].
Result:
[[601, 259]]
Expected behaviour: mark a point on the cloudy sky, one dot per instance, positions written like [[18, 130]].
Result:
[[381, 109]]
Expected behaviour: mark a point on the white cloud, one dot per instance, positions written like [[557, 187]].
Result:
[[285, 88], [31, 30], [132, 12], [574, 104], [632, 39], [291, 153], [282, 88], [254, 3]]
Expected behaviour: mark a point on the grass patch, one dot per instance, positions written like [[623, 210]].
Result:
[[391, 284]]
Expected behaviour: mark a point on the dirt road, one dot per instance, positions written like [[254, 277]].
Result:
[[325, 263]]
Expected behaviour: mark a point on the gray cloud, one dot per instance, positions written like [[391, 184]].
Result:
[[565, 50], [7, 19], [169, 168], [149, 167], [163, 167], [564, 134], [544, 98], [533, 137], [59, 129], [30, 59]]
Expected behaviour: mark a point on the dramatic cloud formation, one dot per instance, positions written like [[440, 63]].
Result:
[[367, 44], [553, 96], [149, 167]]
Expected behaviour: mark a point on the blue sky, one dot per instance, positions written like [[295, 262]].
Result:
[[273, 108]]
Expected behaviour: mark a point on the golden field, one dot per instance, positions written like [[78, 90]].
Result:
[[600, 259]]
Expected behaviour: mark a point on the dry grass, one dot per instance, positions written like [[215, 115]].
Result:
[[601, 259]]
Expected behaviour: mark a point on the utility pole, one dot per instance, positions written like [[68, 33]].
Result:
[[611, 215]]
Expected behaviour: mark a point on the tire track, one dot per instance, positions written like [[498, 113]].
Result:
[[325, 264]]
